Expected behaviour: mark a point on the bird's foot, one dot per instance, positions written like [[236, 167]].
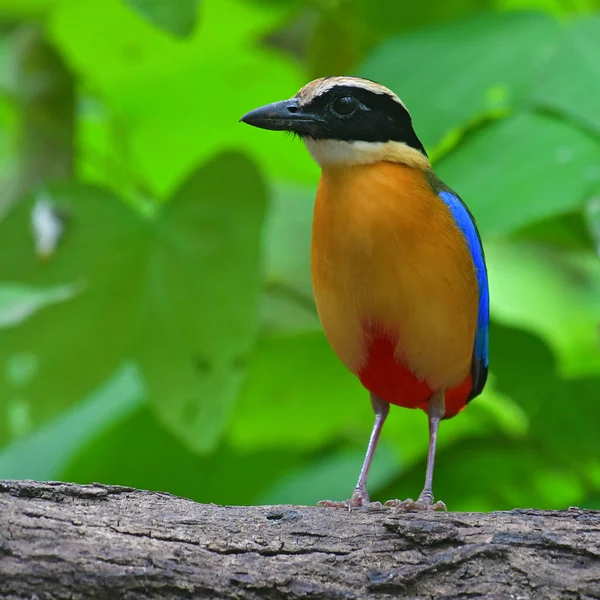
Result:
[[424, 502], [359, 499], [410, 504]]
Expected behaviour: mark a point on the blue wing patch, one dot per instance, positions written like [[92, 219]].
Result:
[[465, 221]]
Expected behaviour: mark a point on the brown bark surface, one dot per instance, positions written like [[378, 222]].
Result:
[[69, 541]]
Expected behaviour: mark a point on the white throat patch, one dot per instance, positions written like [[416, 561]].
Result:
[[341, 152]]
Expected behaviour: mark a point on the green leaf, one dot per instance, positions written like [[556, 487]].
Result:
[[520, 170], [19, 302], [384, 17], [184, 97], [571, 82], [101, 252], [288, 231], [24, 9], [297, 394], [288, 305], [445, 89], [11, 127], [178, 293], [525, 369], [285, 310], [332, 477], [495, 474], [592, 215], [202, 285], [139, 452], [45, 453], [495, 411], [177, 18], [552, 293], [551, 6], [568, 230], [103, 154], [333, 46]]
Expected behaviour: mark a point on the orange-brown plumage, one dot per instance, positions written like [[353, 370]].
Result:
[[394, 283]]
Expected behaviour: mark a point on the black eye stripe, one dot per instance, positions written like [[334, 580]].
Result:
[[375, 117]]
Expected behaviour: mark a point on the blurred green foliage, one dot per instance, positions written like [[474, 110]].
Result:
[[168, 339]]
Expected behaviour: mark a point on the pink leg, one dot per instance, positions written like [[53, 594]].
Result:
[[435, 411], [360, 497]]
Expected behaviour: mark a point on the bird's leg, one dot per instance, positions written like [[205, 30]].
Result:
[[435, 411], [381, 410], [360, 497]]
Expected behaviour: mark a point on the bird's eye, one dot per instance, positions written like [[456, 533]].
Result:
[[344, 106]]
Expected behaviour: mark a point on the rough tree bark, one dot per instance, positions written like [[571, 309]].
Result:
[[69, 541]]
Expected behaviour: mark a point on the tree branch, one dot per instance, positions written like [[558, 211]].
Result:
[[69, 541]]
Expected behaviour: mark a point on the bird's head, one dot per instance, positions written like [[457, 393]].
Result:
[[346, 120]]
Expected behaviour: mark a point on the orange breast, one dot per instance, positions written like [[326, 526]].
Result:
[[394, 283]]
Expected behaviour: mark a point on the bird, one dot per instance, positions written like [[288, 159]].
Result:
[[397, 263]]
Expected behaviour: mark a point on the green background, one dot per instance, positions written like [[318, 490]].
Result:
[[169, 339]]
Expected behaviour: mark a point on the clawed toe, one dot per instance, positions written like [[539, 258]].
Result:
[[403, 504], [359, 499], [333, 504], [409, 504], [350, 504]]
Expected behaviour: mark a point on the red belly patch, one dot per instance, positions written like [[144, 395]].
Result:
[[389, 379]]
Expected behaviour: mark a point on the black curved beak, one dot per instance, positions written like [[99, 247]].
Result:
[[286, 115]]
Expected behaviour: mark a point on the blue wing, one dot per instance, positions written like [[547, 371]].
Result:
[[465, 221]]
